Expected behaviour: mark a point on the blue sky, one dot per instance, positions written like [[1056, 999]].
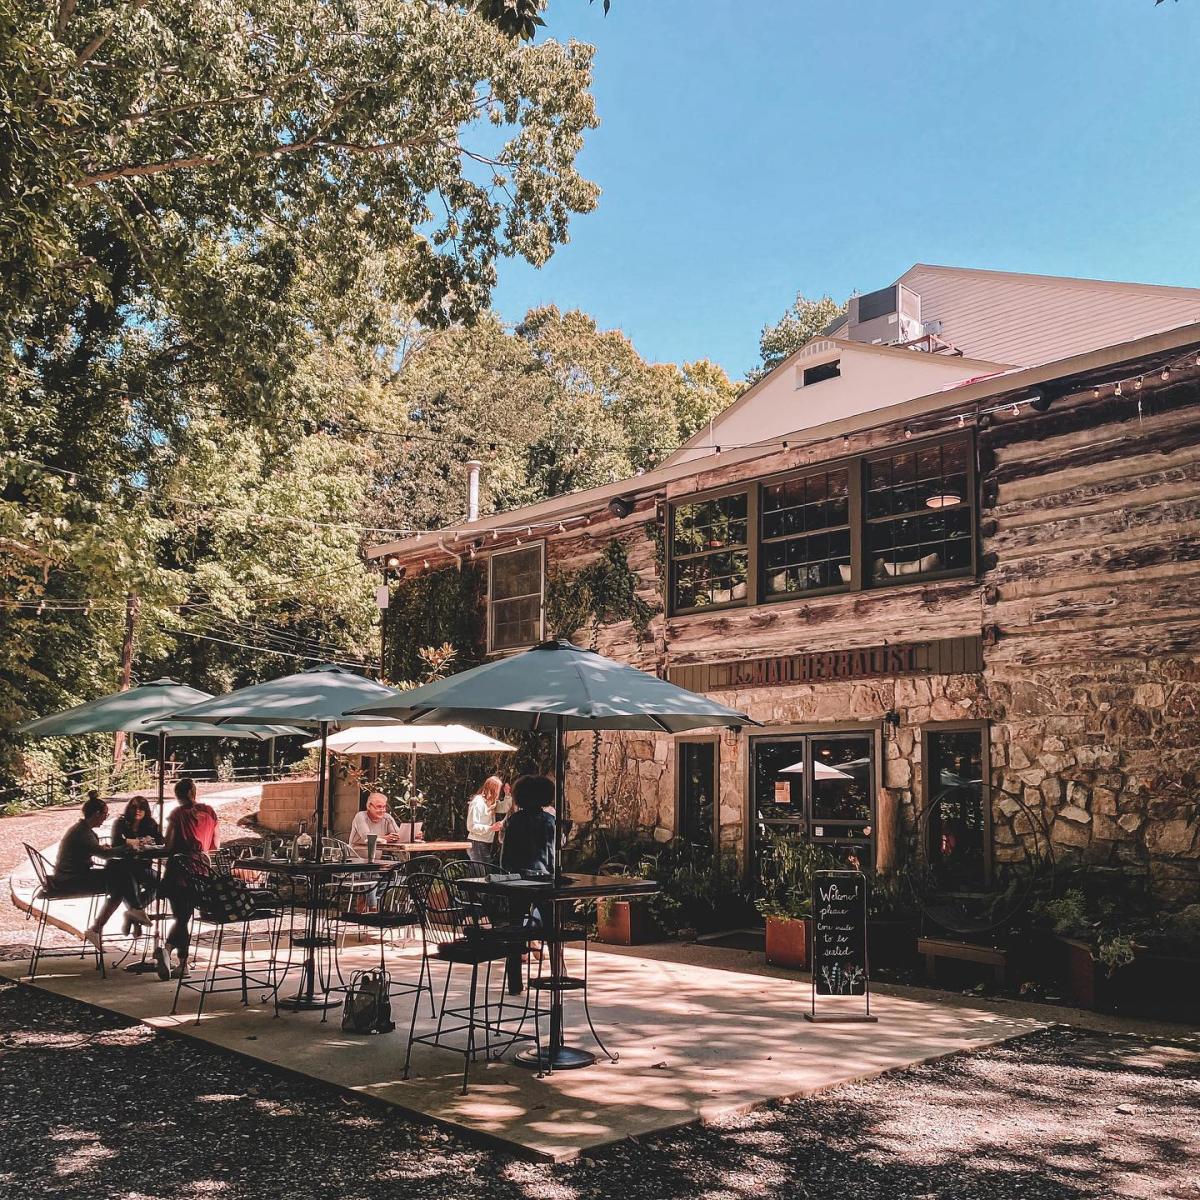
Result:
[[752, 149]]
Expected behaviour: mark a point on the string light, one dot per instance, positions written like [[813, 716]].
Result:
[[962, 420], [1137, 386], [1117, 390], [1166, 374], [907, 433]]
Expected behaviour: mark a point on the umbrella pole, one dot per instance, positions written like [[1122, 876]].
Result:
[[560, 796], [305, 997], [145, 966]]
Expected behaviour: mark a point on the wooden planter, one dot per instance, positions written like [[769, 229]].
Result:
[[625, 923], [1153, 985], [789, 941], [891, 943]]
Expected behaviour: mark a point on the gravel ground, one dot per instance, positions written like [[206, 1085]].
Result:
[[92, 1104]]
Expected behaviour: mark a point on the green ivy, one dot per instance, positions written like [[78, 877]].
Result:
[[435, 608], [602, 593]]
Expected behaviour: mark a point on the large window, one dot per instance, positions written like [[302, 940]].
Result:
[[515, 598], [710, 552], [805, 523], [820, 787], [919, 512], [878, 520]]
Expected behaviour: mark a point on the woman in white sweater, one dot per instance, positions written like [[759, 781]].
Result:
[[482, 825]]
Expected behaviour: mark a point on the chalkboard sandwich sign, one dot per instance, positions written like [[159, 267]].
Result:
[[839, 943]]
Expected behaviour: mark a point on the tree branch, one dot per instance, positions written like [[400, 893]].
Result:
[[94, 45]]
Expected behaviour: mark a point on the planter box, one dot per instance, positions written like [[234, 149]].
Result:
[[1153, 985], [625, 923], [789, 942], [891, 943]]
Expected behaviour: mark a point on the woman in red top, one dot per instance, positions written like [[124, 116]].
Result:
[[192, 829]]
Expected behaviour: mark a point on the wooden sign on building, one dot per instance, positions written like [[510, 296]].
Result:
[[947, 656]]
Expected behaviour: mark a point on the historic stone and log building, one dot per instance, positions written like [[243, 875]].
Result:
[[947, 554]]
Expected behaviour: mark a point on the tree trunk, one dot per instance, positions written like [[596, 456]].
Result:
[[132, 605]]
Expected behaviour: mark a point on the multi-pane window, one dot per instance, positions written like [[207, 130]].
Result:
[[805, 525], [710, 558], [881, 519], [697, 775], [515, 598], [918, 512]]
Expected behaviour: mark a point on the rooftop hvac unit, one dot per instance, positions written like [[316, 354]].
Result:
[[885, 317]]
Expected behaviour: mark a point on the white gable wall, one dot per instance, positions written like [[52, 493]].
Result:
[[871, 377]]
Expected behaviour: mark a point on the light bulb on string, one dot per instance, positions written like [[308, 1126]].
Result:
[[1117, 390], [907, 434], [1016, 410], [1137, 384], [1095, 393], [1166, 374], [425, 563]]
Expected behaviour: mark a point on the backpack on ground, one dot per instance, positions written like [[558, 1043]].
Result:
[[368, 1004]]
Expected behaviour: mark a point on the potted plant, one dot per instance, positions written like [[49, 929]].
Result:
[[891, 922], [787, 865], [1095, 949], [624, 923]]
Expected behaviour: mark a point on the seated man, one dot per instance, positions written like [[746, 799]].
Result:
[[374, 820], [116, 880]]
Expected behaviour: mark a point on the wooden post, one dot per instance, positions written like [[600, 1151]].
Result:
[[887, 817], [132, 605]]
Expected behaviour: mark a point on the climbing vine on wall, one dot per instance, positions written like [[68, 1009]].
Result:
[[435, 608], [602, 593]]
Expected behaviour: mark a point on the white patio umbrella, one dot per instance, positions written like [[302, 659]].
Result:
[[820, 771], [410, 739]]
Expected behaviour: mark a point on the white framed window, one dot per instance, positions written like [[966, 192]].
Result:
[[516, 594]]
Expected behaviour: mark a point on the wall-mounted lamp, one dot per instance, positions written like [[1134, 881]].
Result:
[[1040, 400], [620, 507]]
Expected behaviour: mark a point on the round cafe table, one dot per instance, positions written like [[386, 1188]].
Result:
[[305, 998], [549, 895]]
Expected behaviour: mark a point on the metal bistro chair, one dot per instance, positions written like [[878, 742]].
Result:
[[197, 876], [458, 938], [387, 908], [44, 895]]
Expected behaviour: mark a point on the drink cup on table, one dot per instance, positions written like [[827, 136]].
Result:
[[372, 840]]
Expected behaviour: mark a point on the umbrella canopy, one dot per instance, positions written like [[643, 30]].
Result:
[[820, 771], [319, 696], [144, 709], [558, 686], [410, 739]]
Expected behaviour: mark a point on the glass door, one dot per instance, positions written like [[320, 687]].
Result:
[[956, 826], [820, 787], [697, 776]]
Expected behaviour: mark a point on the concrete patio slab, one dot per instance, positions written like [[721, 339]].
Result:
[[695, 1044]]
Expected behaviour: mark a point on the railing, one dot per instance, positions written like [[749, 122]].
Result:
[[137, 775]]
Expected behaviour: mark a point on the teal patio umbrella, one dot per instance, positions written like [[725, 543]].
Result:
[[555, 687], [552, 688], [318, 698], [145, 710]]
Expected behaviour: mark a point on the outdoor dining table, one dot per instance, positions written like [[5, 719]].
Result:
[[405, 850], [549, 895], [316, 873]]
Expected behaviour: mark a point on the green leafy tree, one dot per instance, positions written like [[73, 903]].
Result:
[[802, 322]]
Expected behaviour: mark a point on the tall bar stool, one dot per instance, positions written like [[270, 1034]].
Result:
[[195, 875], [460, 939]]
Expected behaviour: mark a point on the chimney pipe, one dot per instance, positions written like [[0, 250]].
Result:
[[473, 466]]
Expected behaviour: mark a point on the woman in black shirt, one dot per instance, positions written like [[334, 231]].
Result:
[[528, 847], [136, 824]]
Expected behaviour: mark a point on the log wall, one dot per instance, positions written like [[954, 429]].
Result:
[[1086, 604]]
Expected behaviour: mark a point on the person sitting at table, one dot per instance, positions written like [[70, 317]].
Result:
[[373, 821], [192, 829], [482, 825], [75, 870], [528, 847], [136, 829]]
